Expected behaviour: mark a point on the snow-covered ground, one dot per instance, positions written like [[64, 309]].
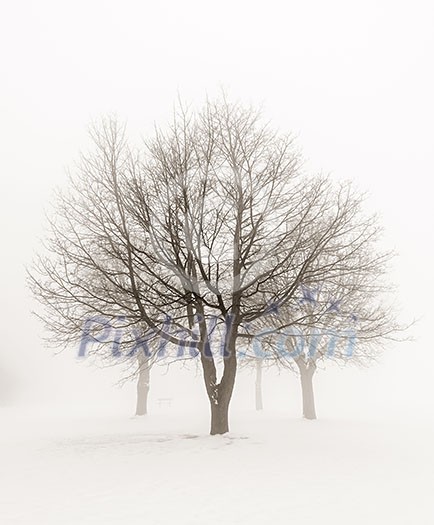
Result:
[[164, 469]]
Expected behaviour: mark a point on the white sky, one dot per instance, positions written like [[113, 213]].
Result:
[[354, 80]]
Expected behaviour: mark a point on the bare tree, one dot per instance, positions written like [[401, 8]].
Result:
[[139, 369], [210, 224], [86, 278], [345, 318], [345, 330], [255, 357]]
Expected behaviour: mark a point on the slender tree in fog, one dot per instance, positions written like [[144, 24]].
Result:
[[211, 223], [349, 327], [343, 318], [84, 279]]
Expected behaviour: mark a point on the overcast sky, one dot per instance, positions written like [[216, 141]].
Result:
[[353, 80]]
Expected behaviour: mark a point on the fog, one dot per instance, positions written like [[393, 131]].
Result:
[[353, 81]]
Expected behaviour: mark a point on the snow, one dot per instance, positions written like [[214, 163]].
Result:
[[164, 469]]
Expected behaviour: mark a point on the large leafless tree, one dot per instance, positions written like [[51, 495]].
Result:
[[211, 223]]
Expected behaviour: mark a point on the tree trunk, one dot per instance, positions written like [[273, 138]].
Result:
[[258, 385], [143, 385], [219, 418], [306, 376], [221, 397], [220, 394]]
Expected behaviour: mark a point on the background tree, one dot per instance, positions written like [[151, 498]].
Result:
[[86, 278], [345, 319]]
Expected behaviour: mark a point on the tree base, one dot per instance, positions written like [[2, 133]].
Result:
[[219, 419]]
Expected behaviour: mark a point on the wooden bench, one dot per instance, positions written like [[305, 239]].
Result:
[[164, 401]]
